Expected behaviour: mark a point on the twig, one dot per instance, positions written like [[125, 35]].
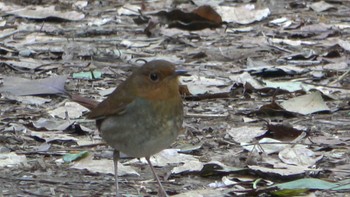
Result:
[[339, 78]]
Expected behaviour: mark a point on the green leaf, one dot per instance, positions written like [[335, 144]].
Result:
[[343, 185], [72, 157], [289, 192], [312, 183], [88, 75]]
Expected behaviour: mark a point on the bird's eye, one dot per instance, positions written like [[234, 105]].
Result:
[[154, 76]]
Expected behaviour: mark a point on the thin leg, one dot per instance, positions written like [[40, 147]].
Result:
[[162, 192], [115, 160]]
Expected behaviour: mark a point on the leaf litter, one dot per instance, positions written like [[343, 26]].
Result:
[[268, 99]]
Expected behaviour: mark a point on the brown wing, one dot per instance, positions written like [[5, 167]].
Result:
[[114, 104]]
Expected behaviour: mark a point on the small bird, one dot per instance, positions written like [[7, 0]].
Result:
[[143, 115]]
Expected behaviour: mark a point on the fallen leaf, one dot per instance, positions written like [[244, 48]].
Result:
[[245, 133], [30, 100], [265, 145], [103, 166], [306, 104], [88, 75], [245, 14], [313, 183], [299, 155], [51, 136], [52, 124], [11, 159], [69, 157], [321, 6], [71, 109], [200, 18], [168, 156], [22, 87], [39, 12]]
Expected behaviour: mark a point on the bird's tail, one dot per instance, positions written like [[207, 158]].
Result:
[[86, 102]]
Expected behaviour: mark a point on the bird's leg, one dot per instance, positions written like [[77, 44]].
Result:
[[162, 192], [115, 161]]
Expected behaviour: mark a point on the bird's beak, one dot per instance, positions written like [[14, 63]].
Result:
[[181, 73]]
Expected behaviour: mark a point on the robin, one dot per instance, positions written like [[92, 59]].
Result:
[[143, 115]]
